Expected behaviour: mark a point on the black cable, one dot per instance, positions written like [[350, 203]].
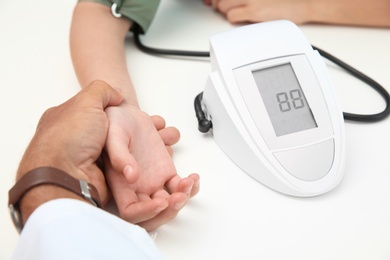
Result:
[[354, 72], [369, 81], [157, 51]]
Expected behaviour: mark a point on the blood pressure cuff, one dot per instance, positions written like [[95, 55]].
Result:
[[140, 12]]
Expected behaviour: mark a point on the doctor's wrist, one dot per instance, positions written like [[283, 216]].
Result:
[[43, 184], [40, 195]]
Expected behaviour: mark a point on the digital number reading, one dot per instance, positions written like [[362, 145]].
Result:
[[282, 93], [295, 97]]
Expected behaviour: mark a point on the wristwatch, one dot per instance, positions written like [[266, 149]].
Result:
[[52, 176]]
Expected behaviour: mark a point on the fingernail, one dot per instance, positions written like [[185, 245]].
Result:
[[179, 205], [196, 185], [127, 171], [187, 190]]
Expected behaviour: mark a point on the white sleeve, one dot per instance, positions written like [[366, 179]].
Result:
[[72, 229]]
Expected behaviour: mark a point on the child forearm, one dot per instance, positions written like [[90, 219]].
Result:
[[350, 12], [98, 49]]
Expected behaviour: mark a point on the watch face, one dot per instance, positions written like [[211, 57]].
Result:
[[16, 217]]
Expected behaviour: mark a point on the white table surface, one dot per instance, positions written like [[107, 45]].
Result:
[[233, 217]]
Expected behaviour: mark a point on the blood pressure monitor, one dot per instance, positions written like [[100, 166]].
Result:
[[273, 108]]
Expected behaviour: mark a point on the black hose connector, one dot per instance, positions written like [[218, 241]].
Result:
[[204, 124]]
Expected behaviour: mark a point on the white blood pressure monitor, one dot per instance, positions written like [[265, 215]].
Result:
[[274, 110]]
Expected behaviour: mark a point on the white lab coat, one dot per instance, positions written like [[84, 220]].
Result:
[[72, 229]]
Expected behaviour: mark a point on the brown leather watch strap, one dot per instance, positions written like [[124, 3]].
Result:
[[53, 176]]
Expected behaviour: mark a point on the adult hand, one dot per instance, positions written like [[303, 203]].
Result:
[[71, 136], [250, 11], [140, 171]]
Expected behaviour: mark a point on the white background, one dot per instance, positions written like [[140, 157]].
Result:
[[233, 217]]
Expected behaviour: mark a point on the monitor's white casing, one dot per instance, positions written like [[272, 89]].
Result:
[[234, 128]]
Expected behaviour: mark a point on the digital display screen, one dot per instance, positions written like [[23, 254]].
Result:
[[284, 99]]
